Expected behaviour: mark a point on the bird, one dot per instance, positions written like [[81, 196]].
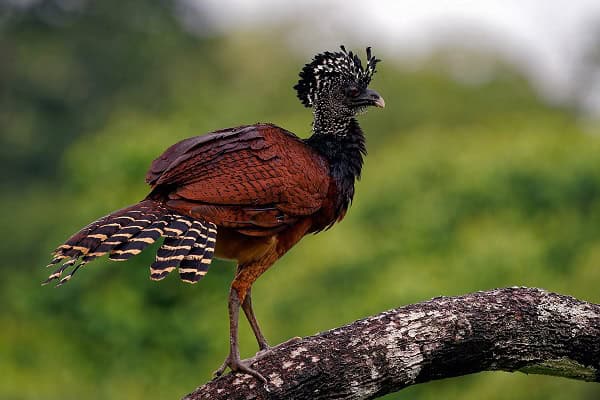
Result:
[[247, 194]]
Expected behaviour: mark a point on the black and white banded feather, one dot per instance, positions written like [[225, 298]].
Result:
[[189, 244]]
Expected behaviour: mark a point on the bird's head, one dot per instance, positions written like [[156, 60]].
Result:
[[338, 83]]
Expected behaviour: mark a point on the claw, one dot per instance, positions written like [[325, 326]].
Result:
[[237, 365], [222, 368]]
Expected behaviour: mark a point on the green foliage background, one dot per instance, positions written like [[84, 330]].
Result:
[[466, 187]]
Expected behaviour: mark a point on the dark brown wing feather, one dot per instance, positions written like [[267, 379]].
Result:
[[166, 168], [257, 179]]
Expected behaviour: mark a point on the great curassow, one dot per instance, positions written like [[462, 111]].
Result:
[[247, 194]]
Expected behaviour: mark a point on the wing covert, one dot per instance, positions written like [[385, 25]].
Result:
[[259, 171]]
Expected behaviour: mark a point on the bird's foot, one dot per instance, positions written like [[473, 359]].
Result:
[[265, 350], [262, 353], [237, 365]]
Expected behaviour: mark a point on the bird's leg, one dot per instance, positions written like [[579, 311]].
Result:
[[233, 360], [247, 307], [240, 295], [264, 347]]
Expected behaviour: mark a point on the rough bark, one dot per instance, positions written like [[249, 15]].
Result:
[[513, 329]]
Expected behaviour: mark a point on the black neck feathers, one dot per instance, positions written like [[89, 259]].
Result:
[[342, 143]]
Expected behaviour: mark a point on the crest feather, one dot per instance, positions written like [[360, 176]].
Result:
[[327, 65]]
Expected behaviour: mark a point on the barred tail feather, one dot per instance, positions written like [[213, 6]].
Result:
[[138, 242], [188, 268], [176, 245], [189, 245], [189, 251], [195, 264], [91, 236], [131, 240], [129, 231]]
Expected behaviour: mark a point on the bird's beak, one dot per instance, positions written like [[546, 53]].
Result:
[[370, 96], [379, 101]]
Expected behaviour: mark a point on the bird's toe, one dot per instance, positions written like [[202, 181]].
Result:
[[243, 366]]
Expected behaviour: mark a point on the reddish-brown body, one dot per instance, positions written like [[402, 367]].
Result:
[[262, 186]]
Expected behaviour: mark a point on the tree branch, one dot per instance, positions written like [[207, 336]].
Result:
[[513, 329]]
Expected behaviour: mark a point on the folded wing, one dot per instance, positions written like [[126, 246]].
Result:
[[257, 179]]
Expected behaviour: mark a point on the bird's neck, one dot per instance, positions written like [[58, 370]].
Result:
[[329, 123], [341, 141]]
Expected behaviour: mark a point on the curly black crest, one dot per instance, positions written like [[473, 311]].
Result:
[[326, 66]]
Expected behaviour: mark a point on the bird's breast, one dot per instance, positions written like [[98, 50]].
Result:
[[333, 209]]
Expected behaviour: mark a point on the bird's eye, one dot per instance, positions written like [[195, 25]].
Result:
[[353, 91]]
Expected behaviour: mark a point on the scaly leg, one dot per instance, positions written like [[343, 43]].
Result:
[[247, 307], [233, 360]]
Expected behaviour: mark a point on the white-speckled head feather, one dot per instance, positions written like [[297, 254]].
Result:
[[327, 67]]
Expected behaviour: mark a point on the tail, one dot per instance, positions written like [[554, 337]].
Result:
[[189, 243]]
